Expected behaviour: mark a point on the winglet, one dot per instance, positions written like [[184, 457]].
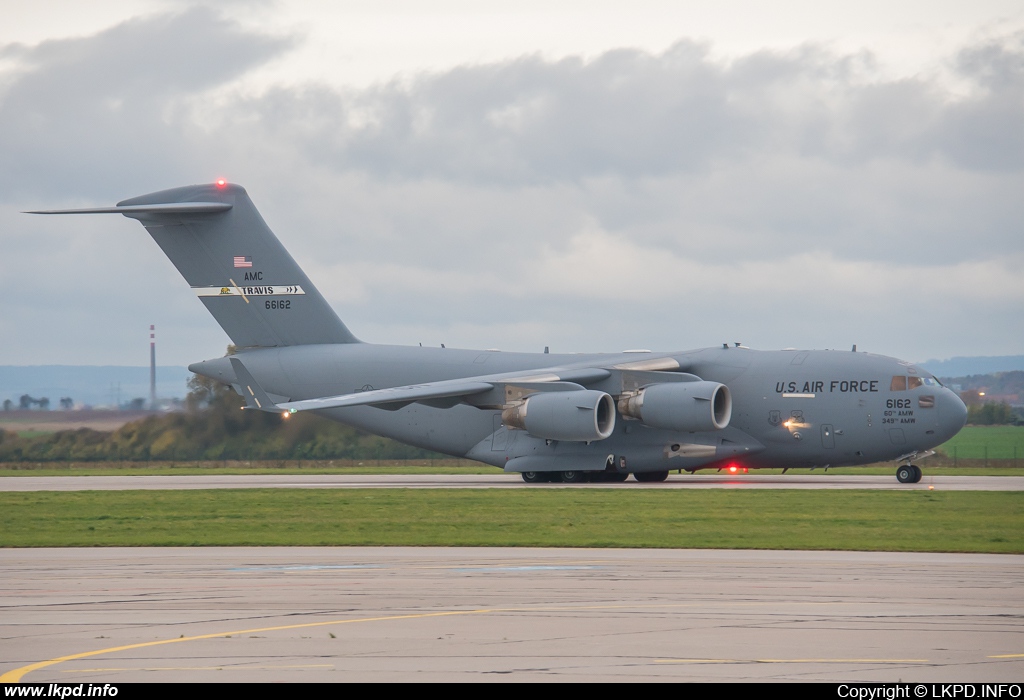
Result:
[[254, 395]]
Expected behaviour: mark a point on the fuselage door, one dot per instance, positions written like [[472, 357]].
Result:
[[828, 437], [499, 438]]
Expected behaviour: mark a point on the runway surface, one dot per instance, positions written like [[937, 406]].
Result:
[[435, 614], [500, 481]]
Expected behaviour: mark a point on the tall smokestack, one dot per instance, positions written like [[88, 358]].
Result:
[[152, 368]]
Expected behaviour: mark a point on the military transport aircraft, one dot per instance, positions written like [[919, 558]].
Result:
[[546, 416]]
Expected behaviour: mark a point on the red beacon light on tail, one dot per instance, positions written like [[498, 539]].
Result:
[[221, 183]]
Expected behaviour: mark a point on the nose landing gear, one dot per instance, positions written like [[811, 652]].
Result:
[[908, 474]]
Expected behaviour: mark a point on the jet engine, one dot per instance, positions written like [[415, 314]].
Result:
[[577, 416], [688, 406]]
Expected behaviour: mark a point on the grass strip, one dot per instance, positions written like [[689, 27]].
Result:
[[994, 441], [216, 469], [932, 521], [467, 467]]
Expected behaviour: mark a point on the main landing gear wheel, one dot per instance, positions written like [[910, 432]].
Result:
[[534, 477], [908, 474], [650, 476], [574, 477]]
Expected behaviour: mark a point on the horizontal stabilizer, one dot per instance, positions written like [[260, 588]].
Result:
[[171, 208]]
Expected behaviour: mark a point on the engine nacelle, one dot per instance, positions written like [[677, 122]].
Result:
[[692, 407], [576, 416]]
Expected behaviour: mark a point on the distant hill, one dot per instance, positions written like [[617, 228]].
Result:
[[966, 366], [90, 385]]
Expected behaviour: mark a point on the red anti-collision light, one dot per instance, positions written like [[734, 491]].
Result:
[[221, 182]]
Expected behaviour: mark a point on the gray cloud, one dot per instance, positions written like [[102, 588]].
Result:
[[87, 114], [755, 158], [786, 198], [633, 115]]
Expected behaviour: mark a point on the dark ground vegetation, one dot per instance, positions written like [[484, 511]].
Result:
[[211, 428]]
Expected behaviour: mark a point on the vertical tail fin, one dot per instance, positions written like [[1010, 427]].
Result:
[[233, 261]]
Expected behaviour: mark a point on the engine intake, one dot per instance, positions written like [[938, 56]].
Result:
[[576, 416], [692, 407]]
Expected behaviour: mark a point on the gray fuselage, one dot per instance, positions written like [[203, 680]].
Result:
[[790, 408], [626, 412]]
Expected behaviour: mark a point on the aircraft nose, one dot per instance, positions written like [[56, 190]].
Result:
[[952, 414]]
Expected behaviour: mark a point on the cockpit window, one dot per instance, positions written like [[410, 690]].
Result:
[[905, 383]]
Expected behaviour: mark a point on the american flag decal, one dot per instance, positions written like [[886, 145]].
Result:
[[243, 261]]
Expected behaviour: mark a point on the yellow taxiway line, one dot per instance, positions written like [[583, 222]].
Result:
[[791, 661], [15, 675], [222, 667]]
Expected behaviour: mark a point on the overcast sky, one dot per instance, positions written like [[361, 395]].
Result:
[[596, 177]]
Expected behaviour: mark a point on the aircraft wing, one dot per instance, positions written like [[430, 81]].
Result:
[[482, 390], [399, 394]]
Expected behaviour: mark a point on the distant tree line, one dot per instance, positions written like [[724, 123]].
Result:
[[212, 427], [1003, 383], [991, 398], [991, 414], [26, 402]]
